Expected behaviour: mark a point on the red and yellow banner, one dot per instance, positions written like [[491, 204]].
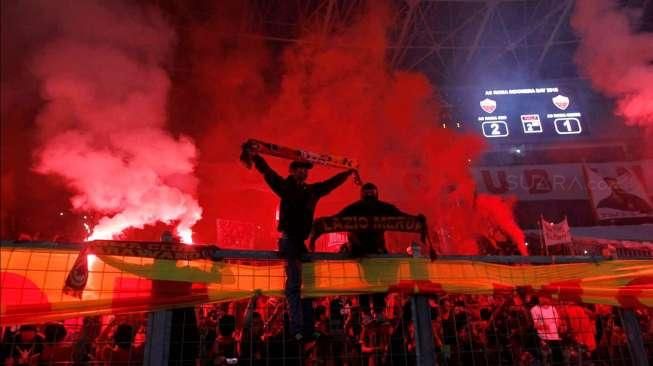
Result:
[[32, 280]]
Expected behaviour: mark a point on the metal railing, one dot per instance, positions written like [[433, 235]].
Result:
[[159, 323]]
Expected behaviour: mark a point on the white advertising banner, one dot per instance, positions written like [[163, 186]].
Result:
[[553, 181]]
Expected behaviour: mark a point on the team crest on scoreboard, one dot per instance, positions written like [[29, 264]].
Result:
[[560, 101], [488, 105]]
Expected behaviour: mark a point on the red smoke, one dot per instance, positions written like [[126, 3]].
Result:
[[113, 76], [616, 59], [103, 124], [334, 93], [496, 212]]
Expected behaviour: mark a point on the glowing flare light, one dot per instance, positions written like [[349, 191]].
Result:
[[186, 235]]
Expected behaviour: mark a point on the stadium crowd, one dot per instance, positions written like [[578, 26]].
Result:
[[510, 329]]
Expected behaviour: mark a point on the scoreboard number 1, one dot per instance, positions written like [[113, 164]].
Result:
[[567, 126], [495, 129]]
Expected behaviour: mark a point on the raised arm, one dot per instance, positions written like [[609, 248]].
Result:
[[272, 178], [325, 187]]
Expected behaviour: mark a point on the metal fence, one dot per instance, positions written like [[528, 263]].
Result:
[[514, 327]]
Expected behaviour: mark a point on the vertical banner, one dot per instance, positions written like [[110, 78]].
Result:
[[555, 233], [78, 276], [616, 193]]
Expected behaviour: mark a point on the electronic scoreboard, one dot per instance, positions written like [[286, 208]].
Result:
[[529, 113]]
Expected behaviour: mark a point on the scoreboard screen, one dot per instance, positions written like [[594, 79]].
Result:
[[531, 112]]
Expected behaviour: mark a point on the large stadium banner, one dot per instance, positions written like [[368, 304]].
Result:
[[617, 193], [554, 181], [117, 277]]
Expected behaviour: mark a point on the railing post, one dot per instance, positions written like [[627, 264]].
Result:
[[159, 327], [424, 341], [157, 340], [634, 335]]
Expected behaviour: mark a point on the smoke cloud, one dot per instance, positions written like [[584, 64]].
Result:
[[103, 123], [329, 92], [114, 76], [617, 60]]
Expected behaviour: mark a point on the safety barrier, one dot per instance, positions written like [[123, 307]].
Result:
[[128, 277]]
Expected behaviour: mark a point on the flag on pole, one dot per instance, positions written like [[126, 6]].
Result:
[[555, 233]]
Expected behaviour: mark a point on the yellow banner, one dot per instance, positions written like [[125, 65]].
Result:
[[32, 280]]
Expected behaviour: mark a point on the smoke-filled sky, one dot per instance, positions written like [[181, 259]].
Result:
[[335, 94], [137, 116], [616, 57]]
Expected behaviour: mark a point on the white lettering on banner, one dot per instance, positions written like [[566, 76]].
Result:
[[521, 91], [550, 182], [563, 115]]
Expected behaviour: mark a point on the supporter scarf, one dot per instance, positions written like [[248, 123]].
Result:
[[332, 224]]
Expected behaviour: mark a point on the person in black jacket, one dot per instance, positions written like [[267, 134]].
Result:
[[361, 243], [296, 210], [371, 241]]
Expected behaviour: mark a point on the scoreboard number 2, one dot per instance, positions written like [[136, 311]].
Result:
[[495, 129]]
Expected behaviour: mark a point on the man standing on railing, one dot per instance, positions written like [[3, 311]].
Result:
[[296, 210]]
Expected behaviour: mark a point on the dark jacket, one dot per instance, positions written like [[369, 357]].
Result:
[[373, 241], [298, 200]]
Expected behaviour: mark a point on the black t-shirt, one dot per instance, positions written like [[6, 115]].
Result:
[[372, 241]]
